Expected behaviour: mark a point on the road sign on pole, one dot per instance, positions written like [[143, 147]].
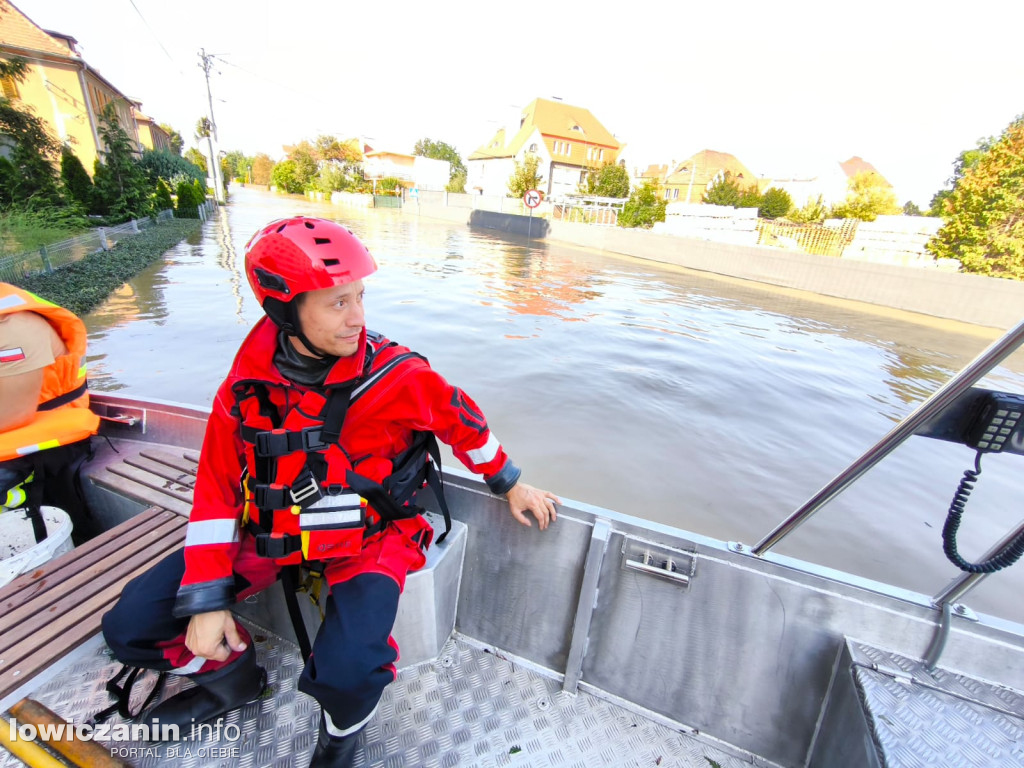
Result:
[[532, 198]]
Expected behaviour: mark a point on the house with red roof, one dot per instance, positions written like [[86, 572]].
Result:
[[568, 141]]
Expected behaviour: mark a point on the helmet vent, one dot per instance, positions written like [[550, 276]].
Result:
[[331, 262], [279, 229], [322, 240], [309, 224], [270, 281]]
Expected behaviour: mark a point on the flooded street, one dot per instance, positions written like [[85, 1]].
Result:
[[713, 405]]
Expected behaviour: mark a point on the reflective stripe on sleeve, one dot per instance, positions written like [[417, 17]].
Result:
[[11, 301], [211, 532], [486, 452]]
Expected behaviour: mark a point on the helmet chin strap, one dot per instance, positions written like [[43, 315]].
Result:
[[294, 328], [285, 316]]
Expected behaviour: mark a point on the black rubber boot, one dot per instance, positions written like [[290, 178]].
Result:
[[214, 694], [334, 751]]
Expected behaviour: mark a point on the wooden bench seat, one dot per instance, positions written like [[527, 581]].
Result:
[[52, 610]]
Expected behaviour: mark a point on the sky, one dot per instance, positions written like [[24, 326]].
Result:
[[786, 86]]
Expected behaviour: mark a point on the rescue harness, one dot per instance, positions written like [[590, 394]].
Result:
[[326, 508]]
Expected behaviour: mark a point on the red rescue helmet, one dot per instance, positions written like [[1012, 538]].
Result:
[[289, 257]]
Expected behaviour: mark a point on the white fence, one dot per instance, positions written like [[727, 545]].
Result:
[[721, 223], [901, 240]]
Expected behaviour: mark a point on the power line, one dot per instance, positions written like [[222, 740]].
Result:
[[158, 42]]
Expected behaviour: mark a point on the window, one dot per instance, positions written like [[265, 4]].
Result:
[[600, 154], [10, 87], [533, 148], [568, 148], [667, 193], [675, 194]]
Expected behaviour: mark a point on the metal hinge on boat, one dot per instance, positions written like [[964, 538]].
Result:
[[122, 417], [675, 565]]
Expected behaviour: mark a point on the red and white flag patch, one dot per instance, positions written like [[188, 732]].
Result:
[[12, 355]]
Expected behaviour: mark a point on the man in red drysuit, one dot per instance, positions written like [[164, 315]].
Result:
[[318, 440]]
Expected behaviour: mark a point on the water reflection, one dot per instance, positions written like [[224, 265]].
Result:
[[710, 404]]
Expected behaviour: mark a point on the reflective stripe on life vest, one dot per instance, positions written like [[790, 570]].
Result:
[[64, 383]]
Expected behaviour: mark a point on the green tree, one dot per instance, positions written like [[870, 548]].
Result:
[[284, 177], [174, 138], [457, 182], [526, 177], [262, 166], [867, 199], [643, 208], [984, 225], [198, 159], [438, 150], [775, 203], [611, 181], [122, 190], [189, 200], [161, 164], [813, 212], [910, 209], [306, 165], [77, 184], [750, 198], [963, 163], [204, 128], [724, 190], [29, 174], [162, 199], [235, 165]]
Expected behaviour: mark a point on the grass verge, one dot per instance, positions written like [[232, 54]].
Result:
[[84, 285]]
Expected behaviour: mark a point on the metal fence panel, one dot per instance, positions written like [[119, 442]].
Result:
[[56, 255]]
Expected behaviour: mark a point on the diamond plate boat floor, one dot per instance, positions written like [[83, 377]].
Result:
[[919, 719], [469, 707]]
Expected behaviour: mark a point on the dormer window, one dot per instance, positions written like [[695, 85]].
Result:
[[533, 148], [577, 128]]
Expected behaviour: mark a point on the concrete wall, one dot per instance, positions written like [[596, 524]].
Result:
[[988, 301]]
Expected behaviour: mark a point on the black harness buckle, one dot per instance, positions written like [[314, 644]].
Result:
[[276, 545], [271, 444]]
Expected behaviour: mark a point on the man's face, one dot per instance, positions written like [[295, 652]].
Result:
[[332, 319]]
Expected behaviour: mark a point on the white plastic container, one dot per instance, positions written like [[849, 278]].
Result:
[[19, 552]]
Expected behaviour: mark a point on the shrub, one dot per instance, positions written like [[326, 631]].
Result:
[[775, 203], [643, 208], [77, 184]]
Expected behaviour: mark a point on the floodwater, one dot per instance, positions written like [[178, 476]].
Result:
[[714, 405]]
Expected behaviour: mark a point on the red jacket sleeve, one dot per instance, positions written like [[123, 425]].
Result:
[[213, 533], [431, 403]]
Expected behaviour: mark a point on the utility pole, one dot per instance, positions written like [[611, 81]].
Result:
[[218, 184]]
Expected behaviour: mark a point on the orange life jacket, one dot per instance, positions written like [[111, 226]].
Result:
[[62, 415]]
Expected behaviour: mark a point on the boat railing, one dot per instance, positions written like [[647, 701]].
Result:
[[917, 422]]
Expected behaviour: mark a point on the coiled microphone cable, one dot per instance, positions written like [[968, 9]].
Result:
[[1006, 557]]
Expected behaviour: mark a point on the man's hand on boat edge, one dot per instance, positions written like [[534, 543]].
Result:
[[543, 505]]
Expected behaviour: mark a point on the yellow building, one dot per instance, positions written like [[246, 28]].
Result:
[[151, 135], [569, 141], [688, 180], [60, 88]]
